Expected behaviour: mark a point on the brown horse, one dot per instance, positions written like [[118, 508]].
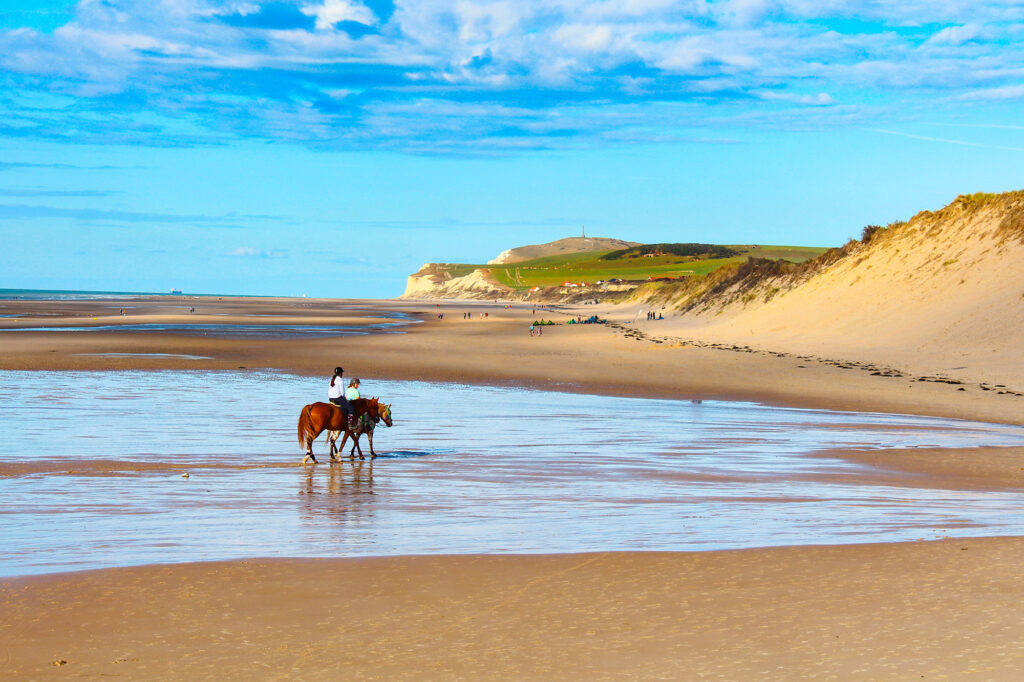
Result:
[[319, 417], [365, 424]]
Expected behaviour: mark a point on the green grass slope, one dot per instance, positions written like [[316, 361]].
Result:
[[591, 267]]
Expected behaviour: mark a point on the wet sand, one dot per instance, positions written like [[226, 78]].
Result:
[[883, 611], [937, 610]]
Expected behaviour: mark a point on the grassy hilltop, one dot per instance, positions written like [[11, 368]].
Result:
[[623, 264]]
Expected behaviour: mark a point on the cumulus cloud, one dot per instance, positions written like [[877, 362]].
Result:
[[429, 75], [333, 12]]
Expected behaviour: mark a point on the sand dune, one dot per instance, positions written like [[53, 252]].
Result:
[[943, 294]]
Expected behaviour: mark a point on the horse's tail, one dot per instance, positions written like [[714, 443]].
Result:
[[305, 427]]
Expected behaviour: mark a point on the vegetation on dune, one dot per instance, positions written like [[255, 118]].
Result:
[[766, 278], [974, 201], [1009, 204]]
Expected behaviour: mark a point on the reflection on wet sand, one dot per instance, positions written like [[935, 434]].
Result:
[[343, 495]]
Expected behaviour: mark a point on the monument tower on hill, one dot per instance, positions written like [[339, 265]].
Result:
[[583, 232]]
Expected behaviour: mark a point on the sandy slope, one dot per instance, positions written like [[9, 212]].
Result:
[[943, 293]]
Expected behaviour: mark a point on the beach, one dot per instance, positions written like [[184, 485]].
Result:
[[896, 610], [937, 610]]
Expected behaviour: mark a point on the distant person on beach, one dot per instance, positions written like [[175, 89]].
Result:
[[336, 392], [531, 330]]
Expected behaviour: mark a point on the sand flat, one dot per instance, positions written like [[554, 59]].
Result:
[[947, 609]]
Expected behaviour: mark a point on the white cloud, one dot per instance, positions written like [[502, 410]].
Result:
[[191, 64], [821, 99], [963, 143], [250, 252], [957, 35], [486, 21], [333, 12], [580, 37], [1006, 92]]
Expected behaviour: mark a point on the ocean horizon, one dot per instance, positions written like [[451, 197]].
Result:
[[82, 295]]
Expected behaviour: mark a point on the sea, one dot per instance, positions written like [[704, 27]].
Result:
[[78, 295]]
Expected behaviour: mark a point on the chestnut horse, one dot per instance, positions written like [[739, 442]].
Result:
[[363, 424], [319, 417]]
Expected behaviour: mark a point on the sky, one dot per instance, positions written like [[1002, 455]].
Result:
[[330, 147]]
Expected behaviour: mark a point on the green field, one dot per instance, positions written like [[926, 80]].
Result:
[[589, 268]]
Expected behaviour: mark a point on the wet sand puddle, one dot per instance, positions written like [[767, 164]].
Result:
[[91, 468]]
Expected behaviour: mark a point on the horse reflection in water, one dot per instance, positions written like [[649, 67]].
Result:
[[319, 417], [346, 496]]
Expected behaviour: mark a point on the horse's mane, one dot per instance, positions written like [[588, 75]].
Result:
[[372, 406]]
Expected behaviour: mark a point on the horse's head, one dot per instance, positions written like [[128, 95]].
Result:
[[385, 413]]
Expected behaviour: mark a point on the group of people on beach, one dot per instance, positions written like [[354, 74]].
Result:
[[338, 395]]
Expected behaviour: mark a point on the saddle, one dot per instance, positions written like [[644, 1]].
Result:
[[351, 421]]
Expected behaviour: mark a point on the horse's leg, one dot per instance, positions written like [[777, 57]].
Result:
[[309, 449], [369, 437], [332, 437], [344, 439], [355, 446]]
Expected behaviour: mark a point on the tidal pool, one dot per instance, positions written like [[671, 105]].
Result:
[[91, 468]]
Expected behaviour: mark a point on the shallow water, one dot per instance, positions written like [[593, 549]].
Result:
[[229, 330], [179, 356], [94, 480]]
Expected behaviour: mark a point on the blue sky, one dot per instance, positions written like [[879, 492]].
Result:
[[330, 147]]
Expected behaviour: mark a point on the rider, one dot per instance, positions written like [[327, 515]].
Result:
[[352, 392], [336, 393]]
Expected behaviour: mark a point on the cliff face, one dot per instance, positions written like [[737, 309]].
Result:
[[435, 281], [560, 247]]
